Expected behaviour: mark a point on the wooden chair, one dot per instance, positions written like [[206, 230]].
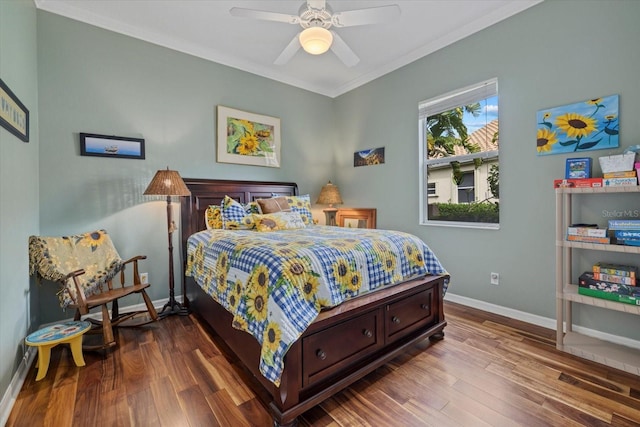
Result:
[[85, 266]]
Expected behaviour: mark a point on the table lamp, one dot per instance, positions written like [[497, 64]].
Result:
[[329, 195]]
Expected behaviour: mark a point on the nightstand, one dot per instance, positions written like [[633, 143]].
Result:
[[356, 217]]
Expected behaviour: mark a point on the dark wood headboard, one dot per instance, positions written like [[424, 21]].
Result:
[[205, 192]]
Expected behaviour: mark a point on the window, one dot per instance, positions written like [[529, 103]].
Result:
[[459, 153], [431, 189], [466, 189]]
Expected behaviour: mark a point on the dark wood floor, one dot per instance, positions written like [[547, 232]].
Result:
[[488, 371]]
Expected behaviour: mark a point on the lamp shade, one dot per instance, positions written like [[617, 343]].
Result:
[[329, 195], [316, 40], [167, 183]]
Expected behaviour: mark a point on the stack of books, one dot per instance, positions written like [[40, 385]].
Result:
[[615, 273], [578, 183], [625, 231], [614, 282], [589, 233], [619, 179]]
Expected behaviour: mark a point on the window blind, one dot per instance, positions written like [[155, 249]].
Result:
[[465, 96]]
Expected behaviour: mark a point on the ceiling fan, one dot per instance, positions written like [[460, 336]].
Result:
[[316, 18]]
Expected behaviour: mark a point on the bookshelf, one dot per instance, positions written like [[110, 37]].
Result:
[[567, 339]]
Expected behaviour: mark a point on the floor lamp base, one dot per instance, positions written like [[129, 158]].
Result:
[[173, 307]]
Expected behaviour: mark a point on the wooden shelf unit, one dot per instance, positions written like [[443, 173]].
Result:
[[601, 351]]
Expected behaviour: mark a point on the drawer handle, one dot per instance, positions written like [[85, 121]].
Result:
[[321, 354], [367, 333], [424, 306], [395, 319]]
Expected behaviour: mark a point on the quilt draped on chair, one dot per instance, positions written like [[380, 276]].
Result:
[[53, 258]]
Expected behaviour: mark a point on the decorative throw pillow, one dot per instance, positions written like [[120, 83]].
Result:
[[252, 208], [302, 205], [277, 221], [213, 217], [234, 215], [274, 204]]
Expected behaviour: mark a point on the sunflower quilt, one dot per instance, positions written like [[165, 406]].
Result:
[[276, 283]]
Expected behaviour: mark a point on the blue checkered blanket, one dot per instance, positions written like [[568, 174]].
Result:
[[276, 283]]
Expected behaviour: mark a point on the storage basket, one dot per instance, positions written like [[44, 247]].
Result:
[[617, 163]]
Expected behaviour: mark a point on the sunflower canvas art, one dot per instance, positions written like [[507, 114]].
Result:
[[583, 126], [248, 138]]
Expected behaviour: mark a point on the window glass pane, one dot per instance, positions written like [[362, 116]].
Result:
[[460, 152]]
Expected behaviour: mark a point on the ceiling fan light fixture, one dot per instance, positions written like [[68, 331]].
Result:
[[316, 40]]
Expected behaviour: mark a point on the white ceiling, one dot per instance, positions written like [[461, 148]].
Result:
[[206, 29]]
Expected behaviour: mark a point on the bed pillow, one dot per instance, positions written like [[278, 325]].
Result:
[[213, 218], [274, 204], [235, 216], [302, 205], [277, 221]]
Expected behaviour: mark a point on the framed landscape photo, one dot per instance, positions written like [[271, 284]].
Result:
[[578, 168], [122, 147], [247, 138], [356, 218]]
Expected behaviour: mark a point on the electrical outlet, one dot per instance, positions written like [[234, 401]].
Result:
[[495, 278], [144, 278]]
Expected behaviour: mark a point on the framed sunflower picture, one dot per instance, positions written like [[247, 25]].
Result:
[[588, 125], [247, 138]]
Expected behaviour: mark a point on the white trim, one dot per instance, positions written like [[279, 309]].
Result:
[[460, 224], [545, 322], [11, 394]]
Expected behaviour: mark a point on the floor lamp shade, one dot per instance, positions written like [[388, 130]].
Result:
[[169, 183]]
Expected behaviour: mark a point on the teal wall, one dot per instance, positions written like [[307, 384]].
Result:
[[555, 53], [92, 80], [19, 205]]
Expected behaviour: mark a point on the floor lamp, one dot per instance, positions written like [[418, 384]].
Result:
[[169, 183], [329, 195]]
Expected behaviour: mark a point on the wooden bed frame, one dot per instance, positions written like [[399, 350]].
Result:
[[341, 346]]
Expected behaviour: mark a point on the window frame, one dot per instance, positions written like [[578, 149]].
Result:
[[438, 104]]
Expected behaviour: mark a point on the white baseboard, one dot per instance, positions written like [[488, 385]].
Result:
[[503, 311], [545, 322], [158, 304], [11, 394]]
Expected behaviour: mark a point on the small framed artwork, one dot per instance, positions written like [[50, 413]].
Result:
[[578, 168], [356, 218], [373, 156], [14, 116], [247, 138], [111, 146]]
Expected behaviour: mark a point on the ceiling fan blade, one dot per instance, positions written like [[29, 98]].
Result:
[[265, 15], [374, 15], [317, 4], [288, 52], [343, 52]]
